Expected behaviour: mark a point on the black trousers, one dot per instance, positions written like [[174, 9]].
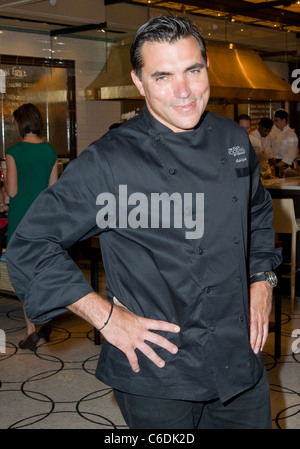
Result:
[[249, 410]]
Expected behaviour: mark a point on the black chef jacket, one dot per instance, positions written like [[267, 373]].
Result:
[[199, 283]]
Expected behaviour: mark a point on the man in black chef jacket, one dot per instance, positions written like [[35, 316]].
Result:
[[187, 244]]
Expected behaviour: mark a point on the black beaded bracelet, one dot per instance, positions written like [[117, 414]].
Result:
[[112, 306]]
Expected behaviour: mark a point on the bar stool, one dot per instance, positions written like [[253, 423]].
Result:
[[285, 222]]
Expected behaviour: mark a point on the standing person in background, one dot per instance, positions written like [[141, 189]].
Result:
[[262, 133], [245, 122], [3, 219], [285, 145], [31, 166]]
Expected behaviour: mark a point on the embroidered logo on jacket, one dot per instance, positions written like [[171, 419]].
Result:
[[238, 152]]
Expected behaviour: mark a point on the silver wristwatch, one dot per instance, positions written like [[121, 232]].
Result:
[[268, 276]]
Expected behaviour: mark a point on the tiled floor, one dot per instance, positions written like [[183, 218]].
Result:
[[284, 373], [55, 388]]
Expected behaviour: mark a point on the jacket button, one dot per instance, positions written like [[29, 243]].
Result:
[[224, 160], [234, 199], [172, 171]]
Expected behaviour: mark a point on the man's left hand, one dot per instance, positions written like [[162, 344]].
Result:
[[260, 308]]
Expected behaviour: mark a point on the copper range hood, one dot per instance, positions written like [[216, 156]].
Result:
[[236, 75]]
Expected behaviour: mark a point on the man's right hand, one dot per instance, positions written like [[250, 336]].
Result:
[[125, 330]]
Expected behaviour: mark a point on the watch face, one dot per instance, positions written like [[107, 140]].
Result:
[[272, 278]]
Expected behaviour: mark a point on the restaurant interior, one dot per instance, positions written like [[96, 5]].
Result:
[[71, 59]]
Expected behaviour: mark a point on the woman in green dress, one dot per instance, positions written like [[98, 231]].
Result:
[[31, 166]]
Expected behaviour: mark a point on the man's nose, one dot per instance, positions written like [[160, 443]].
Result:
[[182, 88]]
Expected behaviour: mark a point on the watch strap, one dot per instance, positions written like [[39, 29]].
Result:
[[268, 276], [258, 277]]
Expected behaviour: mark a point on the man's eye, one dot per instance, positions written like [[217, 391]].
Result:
[[161, 78], [194, 72]]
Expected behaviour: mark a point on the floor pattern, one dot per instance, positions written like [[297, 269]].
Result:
[[55, 387]]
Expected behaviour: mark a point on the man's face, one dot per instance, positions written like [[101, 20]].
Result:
[[174, 82], [279, 123], [246, 124], [263, 131]]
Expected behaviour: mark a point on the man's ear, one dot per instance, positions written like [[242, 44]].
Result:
[[137, 82]]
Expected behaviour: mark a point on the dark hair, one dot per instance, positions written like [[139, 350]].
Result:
[[163, 29], [243, 117], [29, 119], [266, 122], [282, 114]]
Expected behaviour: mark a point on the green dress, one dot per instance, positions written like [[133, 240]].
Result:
[[34, 162]]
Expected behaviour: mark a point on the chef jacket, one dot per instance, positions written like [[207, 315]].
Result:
[[156, 266], [285, 145]]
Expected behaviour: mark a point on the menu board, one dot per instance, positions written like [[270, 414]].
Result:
[[50, 88], [260, 110]]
